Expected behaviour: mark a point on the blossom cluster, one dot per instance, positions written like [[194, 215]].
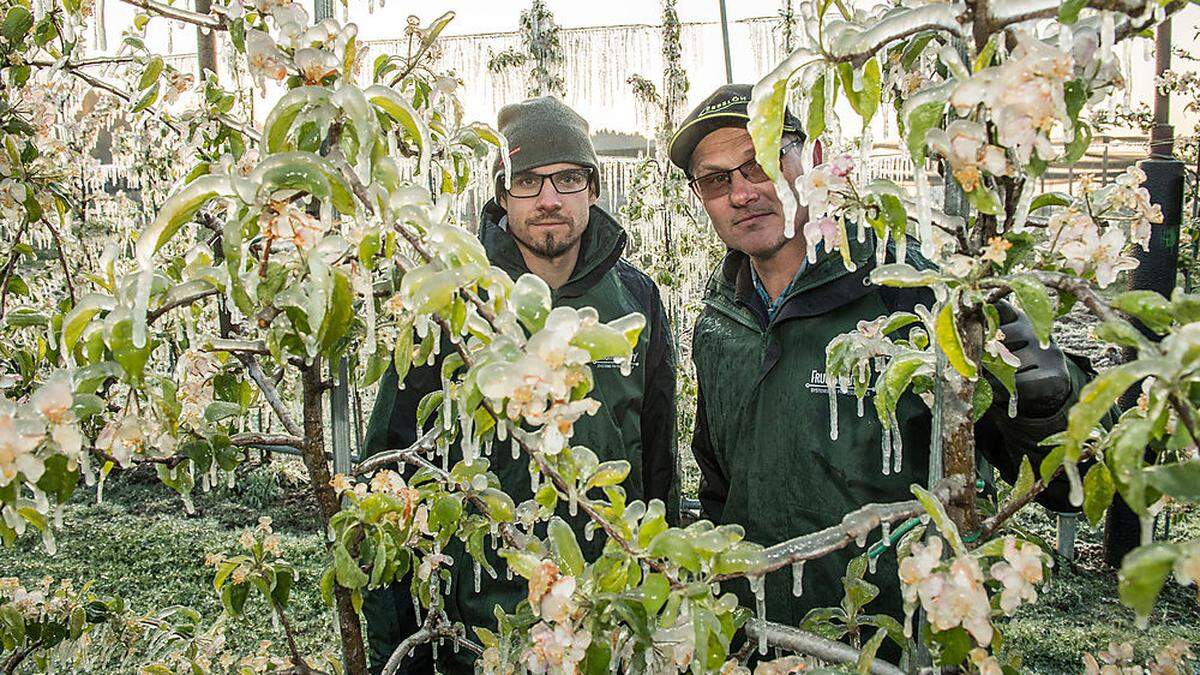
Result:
[[33, 430], [955, 594], [311, 52], [1172, 659], [823, 190]]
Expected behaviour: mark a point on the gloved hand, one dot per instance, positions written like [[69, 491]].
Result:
[[1043, 381]]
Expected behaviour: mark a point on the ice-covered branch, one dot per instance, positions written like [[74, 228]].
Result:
[[855, 526], [850, 42], [282, 440], [97, 83], [236, 346], [270, 393], [803, 642], [155, 313], [209, 21], [436, 627], [1009, 12], [381, 460]]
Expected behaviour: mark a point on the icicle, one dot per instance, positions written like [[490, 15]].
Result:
[[1066, 39], [1072, 471], [589, 533], [508, 573], [478, 574], [860, 539], [101, 29], [871, 560], [908, 616], [1012, 405], [1024, 201], [48, 542], [886, 446], [798, 578], [1107, 36], [572, 501], [533, 479], [897, 444], [435, 643], [416, 609], [1147, 522], [924, 212], [830, 386], [886, 529], [516, 449], [757, 586], [859, 407]]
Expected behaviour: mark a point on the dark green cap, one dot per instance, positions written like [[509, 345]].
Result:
[[725, 107], [544, 131]]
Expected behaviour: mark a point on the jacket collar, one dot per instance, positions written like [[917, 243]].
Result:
[[824, 286], [601, 247]]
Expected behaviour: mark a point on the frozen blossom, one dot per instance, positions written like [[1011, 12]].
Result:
[[1020, 571], [19, 441], [964, 144]]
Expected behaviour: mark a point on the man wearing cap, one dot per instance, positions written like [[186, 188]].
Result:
[[547, 222], [762, 438]]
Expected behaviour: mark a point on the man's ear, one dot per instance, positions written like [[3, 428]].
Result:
[[502, 199]]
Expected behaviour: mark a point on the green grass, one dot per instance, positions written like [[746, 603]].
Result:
[[140, 544]]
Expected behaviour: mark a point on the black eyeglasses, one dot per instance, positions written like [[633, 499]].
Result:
[[720, 183], [567, 181]]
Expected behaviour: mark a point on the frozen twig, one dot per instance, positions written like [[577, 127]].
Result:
[[209, 21], [803, 642], [270, 393]]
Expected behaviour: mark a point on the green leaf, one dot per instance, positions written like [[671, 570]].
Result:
[[1098, 491], [609, 473], [1079, 143], [867, 657], [984, 200], [655, 589], [279, 123], [340, 313], [530, 300], [1049, 199], [937, 512], [180, 208], [950, 344], [920, 120], [1181, 480], [865, 101], [1068, 12], [147, 99], [154, 68], [17, 23], [1099, 396], [1035, 301], [675, 546], [1143, 573], [896, 378], [346, 569], [1152, 309], [981, 399], [814, 124], [565, 546]]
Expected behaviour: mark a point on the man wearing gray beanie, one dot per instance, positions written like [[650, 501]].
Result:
[[544, 220]]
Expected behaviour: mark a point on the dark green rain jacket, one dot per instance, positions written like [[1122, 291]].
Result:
[[762, 436], [636, 422]]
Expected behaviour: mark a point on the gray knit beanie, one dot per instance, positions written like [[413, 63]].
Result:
[[544, 131]]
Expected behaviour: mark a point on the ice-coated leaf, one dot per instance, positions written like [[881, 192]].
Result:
[[655, 589], [1181, 480], [1098, 491], [565, 546], [1035, 301], [950, 344], [941, 519], [609, 473], [278, 126], [1049, 199], [894, 380], [865, 100], [903, 275], [1152, 309], [392, 103], [154, 68], [1143, 573], [180, 208], [1100, 395], [80, 315], [530, 300]]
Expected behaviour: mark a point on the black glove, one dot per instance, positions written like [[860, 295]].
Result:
[[1043, 381]]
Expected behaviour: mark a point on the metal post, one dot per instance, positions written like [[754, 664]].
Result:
[[725, 39], [339, 417], [206, 44], [1157, 267], [1068, 524]]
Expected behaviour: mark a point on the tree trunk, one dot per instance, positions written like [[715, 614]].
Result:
[[206, 44], [353, 648], [958, 429]]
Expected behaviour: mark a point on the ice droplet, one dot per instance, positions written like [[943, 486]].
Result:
[[516, 450], [871, 561], [798, 578], [573, 501], [831, 387], [589, 533], [508, 573], [1076, 494]]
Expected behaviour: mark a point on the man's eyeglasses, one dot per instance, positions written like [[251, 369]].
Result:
[[567, 181], [720, 183]]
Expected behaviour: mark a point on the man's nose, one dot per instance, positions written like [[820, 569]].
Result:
[[741, 191], [548, 199]]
